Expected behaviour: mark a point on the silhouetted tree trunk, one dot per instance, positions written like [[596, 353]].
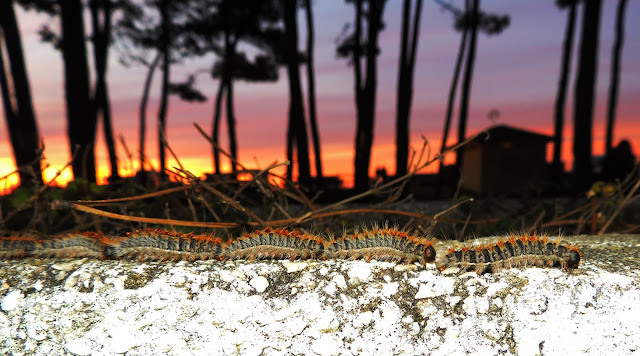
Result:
[[296, 107], [143, 107], [10, 112], [225, 28], [231, 118], [215, 129], [231, 127], [311, 83], [164, 101], [405, 83], [21, 120], [361, 165], [452, 97], [365, 92], [81, 124], [584, 94], [616, 56], [466, 81], [101, 11], [561, 98], [290, 142]]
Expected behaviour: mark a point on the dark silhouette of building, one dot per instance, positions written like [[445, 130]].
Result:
[[618, 164], [507, 161]]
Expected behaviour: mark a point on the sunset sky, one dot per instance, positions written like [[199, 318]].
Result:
[[516, 73]]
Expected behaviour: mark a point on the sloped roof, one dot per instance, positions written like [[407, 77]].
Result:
[[501, 133]]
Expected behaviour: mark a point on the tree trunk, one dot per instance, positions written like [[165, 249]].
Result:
[[405, 84], [10, 112], [21, 121], [227, 77], [215, 126], [231, 119], [296, 108], [466, 82], [367, 97], [584, 94], [315, 135], [81, 124], [616, 56], [101, 41], [561, 98], [361, 179], [231, 126], [452, 98], [103, 98], [402, 111], [143, 107], [164, 102], [290, 143]]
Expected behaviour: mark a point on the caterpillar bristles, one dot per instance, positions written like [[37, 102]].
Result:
[[87, 244], [272, 243], [494, 254], [17, 246], [382, 244], [486, 255], [163, 245]]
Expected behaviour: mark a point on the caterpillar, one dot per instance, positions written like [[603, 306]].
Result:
[[382, 244], [87, 244], [163, 245], [492, 256], [385, 244], [16, 247], [274, 244]]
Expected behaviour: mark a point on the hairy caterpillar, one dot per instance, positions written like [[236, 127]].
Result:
[[494, 255], [274, 244], [163, 245], [16, 247], [385, 244], [87, 244], [382, 244]]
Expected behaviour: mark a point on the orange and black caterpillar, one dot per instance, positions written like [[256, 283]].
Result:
[[162, 245], [494, 255], [273, 244], [385, 244], [87, 244], [16, 247]]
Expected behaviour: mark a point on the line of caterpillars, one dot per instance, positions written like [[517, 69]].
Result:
[[384, 244]]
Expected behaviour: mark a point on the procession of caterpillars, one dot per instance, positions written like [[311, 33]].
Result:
[[383, 244]]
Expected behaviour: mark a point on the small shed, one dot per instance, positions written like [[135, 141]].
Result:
[[507, 160]]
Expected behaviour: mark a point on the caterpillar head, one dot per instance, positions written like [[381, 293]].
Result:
[[573, 257], [430, 254]]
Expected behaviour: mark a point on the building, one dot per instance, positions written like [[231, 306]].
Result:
[[507, 161]]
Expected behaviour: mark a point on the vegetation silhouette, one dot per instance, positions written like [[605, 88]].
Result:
[[297, 129], [465, 21], [406, 70], [251, 40], [222, 28], [81, 124], [557, 168], [616, 58], [311, 94], [101, 14], [19, 113], [584, 95]]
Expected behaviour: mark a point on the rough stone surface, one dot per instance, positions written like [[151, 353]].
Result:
[[83, 307]]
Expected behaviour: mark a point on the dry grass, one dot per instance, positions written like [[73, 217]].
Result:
[[186, 202]]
